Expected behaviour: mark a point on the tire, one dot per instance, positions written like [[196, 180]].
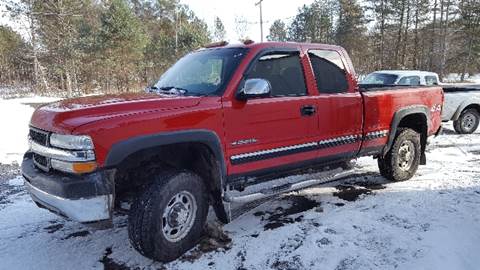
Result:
[[156, 216], [402, 160], [468, 122]]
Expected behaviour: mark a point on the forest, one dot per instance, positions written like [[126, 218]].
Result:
[[77, 47]]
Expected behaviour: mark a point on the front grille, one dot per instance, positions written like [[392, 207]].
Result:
[[38, 136], [41, 162]]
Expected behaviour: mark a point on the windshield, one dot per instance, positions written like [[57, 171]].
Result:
[[205, 72], [380, 78]]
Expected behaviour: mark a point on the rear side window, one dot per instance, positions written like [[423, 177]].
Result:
[[431, 80], [409, 80], [329, 71], [380, 78], [284, 72]]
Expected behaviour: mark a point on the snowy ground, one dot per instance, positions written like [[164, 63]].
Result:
[[429, 222]]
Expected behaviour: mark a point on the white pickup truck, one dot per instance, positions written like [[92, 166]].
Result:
[[401, 77], [462, 106], [462, 102]]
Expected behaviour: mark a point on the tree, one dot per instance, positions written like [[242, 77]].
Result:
[[278, 31], [351, 32], [470, 36], [122, 40], [23, 10], [219, 32], [14, 66], [314, 23], [173, 31]]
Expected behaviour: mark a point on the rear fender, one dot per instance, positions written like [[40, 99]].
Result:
[[465, 104], [397, 119]]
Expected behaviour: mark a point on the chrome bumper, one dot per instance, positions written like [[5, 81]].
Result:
[[81, 210]]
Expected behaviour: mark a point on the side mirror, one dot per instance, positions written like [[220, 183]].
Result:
[[254, 88]]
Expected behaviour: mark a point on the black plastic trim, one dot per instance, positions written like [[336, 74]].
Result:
[[68, 186], [397, 118], [123, 149]]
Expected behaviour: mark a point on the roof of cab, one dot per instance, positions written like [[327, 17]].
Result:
[[271, 44]]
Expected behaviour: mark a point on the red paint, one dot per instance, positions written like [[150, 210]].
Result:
[[273, 122]]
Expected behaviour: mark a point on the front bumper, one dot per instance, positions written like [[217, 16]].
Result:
[[83, 198]]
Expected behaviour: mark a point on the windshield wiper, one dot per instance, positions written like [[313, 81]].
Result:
[[172, 90]]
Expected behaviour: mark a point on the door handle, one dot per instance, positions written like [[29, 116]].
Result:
[[308, 110]]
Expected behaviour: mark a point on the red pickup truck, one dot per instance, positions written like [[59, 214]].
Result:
[[221, 121]]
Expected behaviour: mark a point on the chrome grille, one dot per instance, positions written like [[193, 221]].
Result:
[[39, 136]]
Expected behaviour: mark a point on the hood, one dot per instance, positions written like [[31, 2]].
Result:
[[66, 115]]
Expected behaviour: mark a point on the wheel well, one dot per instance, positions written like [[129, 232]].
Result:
[[473, 106], [135, 172], [417, 122]]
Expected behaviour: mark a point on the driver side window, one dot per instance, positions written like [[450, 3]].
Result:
[[284, 73]]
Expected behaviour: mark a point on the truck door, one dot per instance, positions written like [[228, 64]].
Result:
[[340, 109], [274, 130]]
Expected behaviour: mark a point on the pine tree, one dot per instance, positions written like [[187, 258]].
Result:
[[314, 23], [351, 32], [278, 31], [122, 41], [219, 32], [14, 66]]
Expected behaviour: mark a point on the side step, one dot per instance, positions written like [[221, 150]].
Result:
[[279, 186]]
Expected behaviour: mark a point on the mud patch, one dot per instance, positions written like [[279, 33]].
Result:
[[475, 152], [214, 239], [53, 228], [77, 234], [350, 193], [281, 216], [110, 264]]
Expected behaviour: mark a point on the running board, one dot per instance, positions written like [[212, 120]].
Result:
[[264, 190]]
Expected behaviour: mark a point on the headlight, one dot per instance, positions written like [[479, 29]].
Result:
[[71, 142]]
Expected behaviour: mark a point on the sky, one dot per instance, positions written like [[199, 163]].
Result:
[[227, 11]]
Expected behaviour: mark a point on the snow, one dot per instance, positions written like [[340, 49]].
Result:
[[15, 117], [456, 78], [428, 222]]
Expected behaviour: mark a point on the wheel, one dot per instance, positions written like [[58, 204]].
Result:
[[168, 218], [402, 160], [468, 122]]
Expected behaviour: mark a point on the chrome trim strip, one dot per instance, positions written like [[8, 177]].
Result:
[[376, 134], [59, 153]]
